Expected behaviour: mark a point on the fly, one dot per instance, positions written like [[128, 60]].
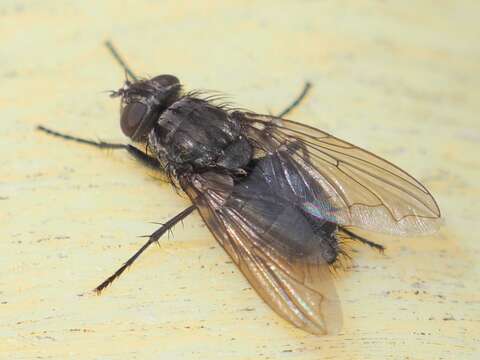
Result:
[[277, 195]]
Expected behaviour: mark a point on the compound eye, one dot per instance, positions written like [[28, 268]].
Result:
[[132, 117], [166, 80]]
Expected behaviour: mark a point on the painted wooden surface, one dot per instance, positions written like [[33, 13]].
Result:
[[399, 78]]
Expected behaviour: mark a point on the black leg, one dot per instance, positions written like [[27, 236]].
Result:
[[136, 153], [143, 157], [119, 59], [354, 236], [98, 144], [297, 101], [152, 238]]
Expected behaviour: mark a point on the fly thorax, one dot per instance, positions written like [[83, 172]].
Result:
[[196, 132]]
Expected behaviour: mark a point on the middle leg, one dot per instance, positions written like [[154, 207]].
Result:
[[296, 102], [152, 238]]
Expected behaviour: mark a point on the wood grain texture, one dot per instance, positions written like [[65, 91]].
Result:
[[397, 78]]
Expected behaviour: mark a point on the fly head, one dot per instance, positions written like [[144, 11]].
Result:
[[143, 101]]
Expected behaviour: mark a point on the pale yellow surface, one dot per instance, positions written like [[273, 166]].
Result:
[[401, 78]]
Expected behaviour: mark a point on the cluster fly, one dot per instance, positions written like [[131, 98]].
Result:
[[280, 197]]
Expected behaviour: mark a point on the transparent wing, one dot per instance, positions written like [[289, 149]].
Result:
[[344, 184], [273, 247]]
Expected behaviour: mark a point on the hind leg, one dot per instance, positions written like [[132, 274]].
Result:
[[356, 237]]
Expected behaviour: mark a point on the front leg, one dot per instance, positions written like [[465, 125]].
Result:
[[143, 157]]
